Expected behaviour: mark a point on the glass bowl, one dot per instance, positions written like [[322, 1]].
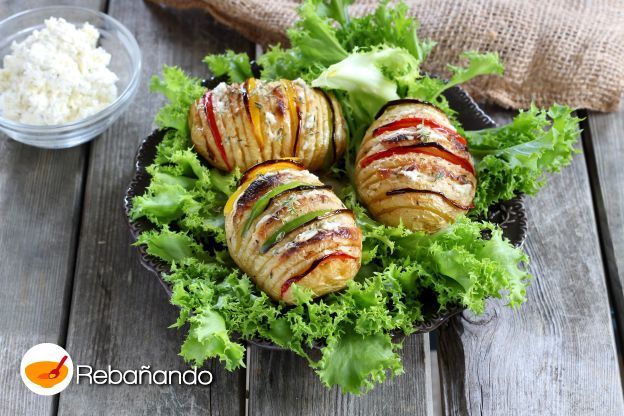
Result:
[[125, 63]]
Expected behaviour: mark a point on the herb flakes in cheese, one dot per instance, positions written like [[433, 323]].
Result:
[[56, 75]]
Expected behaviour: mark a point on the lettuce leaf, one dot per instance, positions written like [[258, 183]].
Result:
[[185, 191], [370, 79], [513, 159], [181, 90], [172, 247], [234, 66], [354, 362], [313, 44], [472, 268], [478, 64], [386, 26], [208, 337], [333, 9], [314, 37]]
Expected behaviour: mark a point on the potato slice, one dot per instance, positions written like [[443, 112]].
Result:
[[240, 125], [413, 168], [284, 226]]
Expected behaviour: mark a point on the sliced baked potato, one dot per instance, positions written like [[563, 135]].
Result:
[[240, 125], [413, 167], [284, 226]]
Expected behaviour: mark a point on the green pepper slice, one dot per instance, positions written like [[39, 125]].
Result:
[[298, 222], [262, 203]]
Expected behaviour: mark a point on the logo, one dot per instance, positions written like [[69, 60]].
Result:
[[46, 369]]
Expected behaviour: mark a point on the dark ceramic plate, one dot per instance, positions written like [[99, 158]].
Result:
[[510, 215]]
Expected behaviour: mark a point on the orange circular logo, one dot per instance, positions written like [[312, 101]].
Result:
[[46, 369]]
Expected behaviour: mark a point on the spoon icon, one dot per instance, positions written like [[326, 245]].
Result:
[[54, 373]]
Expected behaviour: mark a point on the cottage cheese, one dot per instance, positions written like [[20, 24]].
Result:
[[56, 75]]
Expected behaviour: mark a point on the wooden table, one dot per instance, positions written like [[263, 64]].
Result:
[[70, 276]]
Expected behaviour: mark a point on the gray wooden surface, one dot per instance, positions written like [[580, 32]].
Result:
[[120, 313], [70, 277], [40, 204], [557, 354], [301, 391], [605, 142]]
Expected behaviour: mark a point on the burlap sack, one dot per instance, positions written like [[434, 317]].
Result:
[[565, 51]]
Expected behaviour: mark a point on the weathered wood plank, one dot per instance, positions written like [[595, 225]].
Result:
[[281, 383], [556, 355], [605, 141], [40, 198], [119, 313]]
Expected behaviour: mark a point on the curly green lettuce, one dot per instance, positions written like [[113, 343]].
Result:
[[514, 158], [465, 264], [235, 66], [355, 326], [185, 192], [181, 91]]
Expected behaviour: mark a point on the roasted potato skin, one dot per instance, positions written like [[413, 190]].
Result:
[[240, 125], [413, 168], [322, 254]]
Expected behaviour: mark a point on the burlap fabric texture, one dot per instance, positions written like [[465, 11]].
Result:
[[565, 51]]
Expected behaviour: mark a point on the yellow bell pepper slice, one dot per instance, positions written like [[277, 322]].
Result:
[[293, 110], [253, 107], [257, 170]]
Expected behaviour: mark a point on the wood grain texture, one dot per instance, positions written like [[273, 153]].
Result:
[[605, 141], [40, 196], [281, 383], [556, 355], [120, 313]]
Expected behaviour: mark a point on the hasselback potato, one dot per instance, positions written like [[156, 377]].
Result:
[[284, 226], [240, 125], [413, 167]]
